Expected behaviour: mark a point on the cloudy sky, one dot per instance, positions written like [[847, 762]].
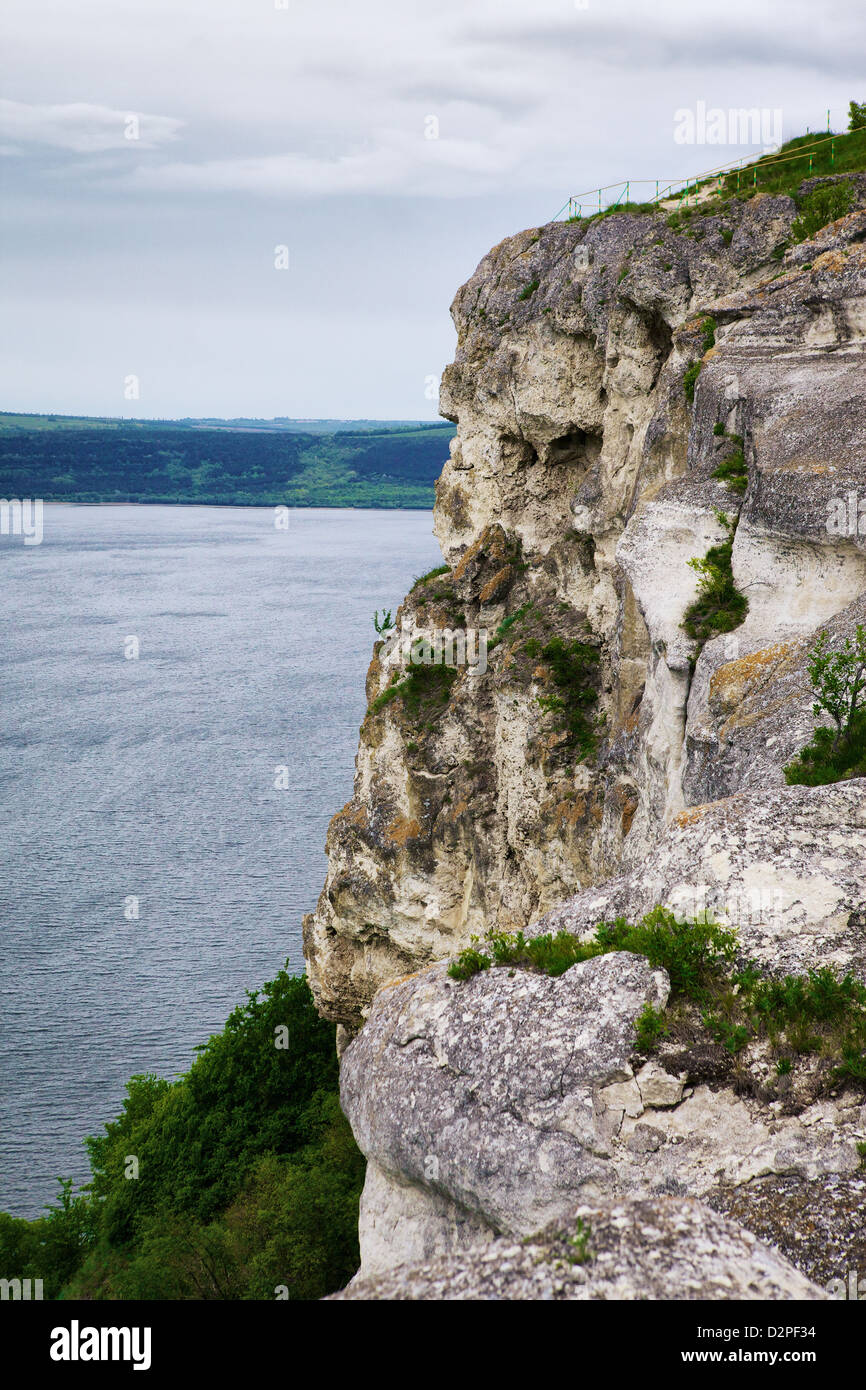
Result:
[[156, 153]]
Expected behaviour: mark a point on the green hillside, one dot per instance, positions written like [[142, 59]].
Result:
[[233, 463]]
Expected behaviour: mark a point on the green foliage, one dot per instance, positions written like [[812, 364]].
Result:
[[803, 157], [52, 1247], [424, 690], [529, 290], [650, 1027], [431, 574], [691, 952], [733, 471], [386, 624], [708, 333], [824, 204], [689, 380], [508, 623], [719, 606], [470, 962], [727, 235], [248, 1176], [838, 677], [243, 1096], [292, 1227], [574, 667], [579, 1242], [732, 1036], [856, 115], [718, 428], [817, 1012]]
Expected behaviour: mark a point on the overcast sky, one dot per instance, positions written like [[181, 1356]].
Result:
[[155, 153]]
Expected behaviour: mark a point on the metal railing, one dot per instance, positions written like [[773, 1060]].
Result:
[[686, 190]]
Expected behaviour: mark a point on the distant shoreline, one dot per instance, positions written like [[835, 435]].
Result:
[[255, 506]]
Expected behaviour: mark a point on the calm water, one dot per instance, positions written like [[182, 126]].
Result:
[[153, 778]]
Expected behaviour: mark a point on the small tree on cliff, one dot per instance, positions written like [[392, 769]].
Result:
[[838, 677], [856, 115]]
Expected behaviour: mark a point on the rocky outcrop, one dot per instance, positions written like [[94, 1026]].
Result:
[[493, 1105], [579, 487], [629, 394], [652, 1249], [785, 867]]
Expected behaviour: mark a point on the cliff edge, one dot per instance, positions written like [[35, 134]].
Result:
[[630, 396]]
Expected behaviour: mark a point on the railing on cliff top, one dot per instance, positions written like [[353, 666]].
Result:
[[687, 189]]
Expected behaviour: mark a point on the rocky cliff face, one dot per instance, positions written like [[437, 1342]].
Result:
[[605, 760]]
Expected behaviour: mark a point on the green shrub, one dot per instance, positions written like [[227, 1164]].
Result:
[[431, 574], [574, 667], [733, 471], [719, 606], [856, 115], [691, 952], [689, 380], [507, 624], [579, 1242], [650, 1027], [818, 1012], [823, 762], [529, 289], [824, 204], [470, 962], [248, 1175], [708, 333], [838, 678]]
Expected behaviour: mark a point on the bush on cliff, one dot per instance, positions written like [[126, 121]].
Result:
[[798, 1015], [821, 206], [839, 680], [719, 606]]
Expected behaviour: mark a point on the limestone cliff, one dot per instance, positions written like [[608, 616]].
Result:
[[606, 760], [579, 487]]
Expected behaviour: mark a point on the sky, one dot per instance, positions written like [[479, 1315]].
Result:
[[265, 207]]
